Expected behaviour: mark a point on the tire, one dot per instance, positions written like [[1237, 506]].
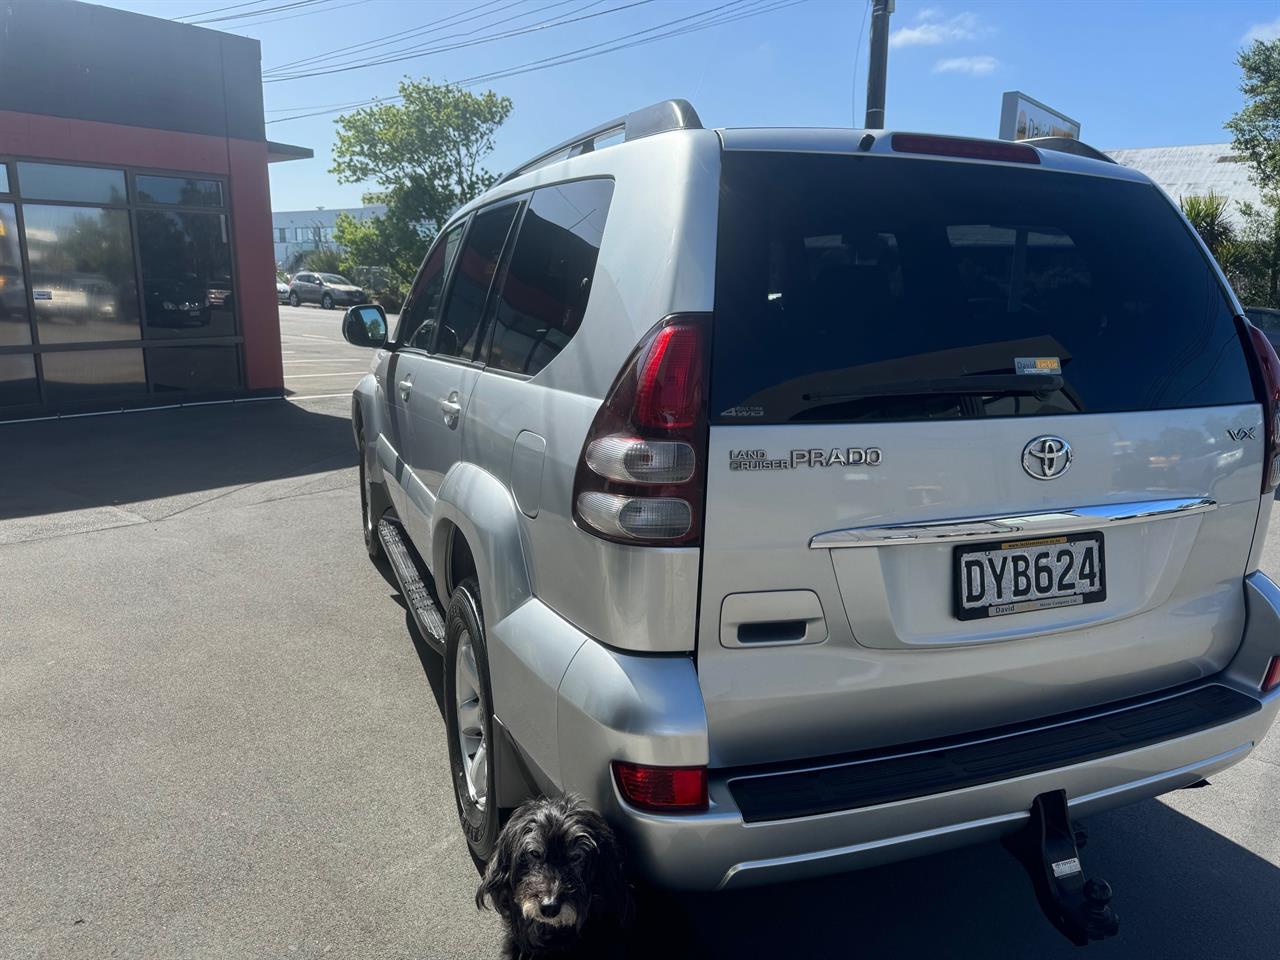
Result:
[[468, 699], [368, 522], [294, 299], [327, 302]]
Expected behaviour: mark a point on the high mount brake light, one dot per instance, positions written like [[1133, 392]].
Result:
[[1267, 366], [961, 147], [641, 474]]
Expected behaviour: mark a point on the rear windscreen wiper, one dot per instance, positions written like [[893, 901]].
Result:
[[1009, 384]]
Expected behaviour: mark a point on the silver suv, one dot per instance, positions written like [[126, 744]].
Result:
[[808, 499]]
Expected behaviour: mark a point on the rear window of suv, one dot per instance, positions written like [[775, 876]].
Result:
[[872, 288]]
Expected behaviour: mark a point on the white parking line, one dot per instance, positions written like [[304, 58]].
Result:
[[364, 360], [320, 396], [312, 376]]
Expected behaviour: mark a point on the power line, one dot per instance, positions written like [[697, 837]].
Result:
[[295, 16], [582, 53], [857, 53], [402, 34], [401, 56], [205, 13], [254, 13]]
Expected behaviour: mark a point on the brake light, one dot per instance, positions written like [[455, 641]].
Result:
[[961, 147], [662, 789], [1272, 679], [641, 475], [1267, 365]]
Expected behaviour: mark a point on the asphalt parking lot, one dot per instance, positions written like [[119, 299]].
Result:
[[220, 739]]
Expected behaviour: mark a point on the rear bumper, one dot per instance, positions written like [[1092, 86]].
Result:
[[721, 850], [610, 705]]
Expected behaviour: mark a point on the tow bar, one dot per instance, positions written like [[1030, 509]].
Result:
[[1049, 849]]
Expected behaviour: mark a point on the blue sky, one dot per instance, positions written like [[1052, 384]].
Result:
[[1133, 72]]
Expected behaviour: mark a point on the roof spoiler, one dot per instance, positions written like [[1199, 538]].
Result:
[[1068, 145], [645, 122]]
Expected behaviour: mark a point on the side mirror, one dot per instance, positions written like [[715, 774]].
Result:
[[365, 326]]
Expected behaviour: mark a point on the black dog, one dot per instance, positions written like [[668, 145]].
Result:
[[557, 881]]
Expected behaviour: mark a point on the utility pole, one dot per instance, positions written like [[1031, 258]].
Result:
[[878, 70]]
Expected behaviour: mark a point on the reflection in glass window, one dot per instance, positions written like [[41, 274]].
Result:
[[419, 314], [178, 190], [545, 291], [82, 275], [56, 181], [4, 178], [202, 369], [18, 380], [15, 326], [186, 274], [93, 375], [460, 324]]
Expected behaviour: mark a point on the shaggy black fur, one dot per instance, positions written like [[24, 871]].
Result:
[[556, 879]]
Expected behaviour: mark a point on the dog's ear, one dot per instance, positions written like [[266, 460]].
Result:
[[495, 885]]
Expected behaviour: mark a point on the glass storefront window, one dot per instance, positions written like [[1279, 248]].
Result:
[[186, 274], [81, 376], [198, 369], [4, 178], [15, 325], [56, 181], [18, 380], [178, 190], [82, 275]]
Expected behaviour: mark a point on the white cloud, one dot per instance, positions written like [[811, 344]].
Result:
[[931, 30], [978, 66], [1263, 31]]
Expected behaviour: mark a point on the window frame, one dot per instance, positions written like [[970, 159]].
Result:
[[521, 200], [398, 345]]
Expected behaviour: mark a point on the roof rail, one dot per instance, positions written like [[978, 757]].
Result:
[[657, 118], [1068, 145]]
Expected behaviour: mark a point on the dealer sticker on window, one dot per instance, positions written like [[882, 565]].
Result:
[[1044, 366]]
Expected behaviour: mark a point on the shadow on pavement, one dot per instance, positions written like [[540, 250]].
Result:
[[1181, 890], [53, 466]]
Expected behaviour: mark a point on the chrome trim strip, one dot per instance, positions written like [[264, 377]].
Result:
[[1071, 520]]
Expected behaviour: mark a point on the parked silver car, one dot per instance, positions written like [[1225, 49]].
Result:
[[810, 499], [327, 289]]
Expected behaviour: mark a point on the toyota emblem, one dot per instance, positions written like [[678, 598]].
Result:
[[1046, 458]]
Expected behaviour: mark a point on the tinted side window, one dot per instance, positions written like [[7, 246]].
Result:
[[460, 326], [420, 311], [548, 282]]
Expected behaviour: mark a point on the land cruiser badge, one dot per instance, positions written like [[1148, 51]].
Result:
[[832, 457]]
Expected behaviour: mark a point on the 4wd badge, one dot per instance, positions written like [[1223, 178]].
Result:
[[824, 457]]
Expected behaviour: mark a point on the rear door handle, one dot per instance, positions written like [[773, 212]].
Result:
[[406, 388], [452, 409]]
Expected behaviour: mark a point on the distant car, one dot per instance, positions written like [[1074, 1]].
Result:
[[282, 292], [327, 289], [1267, 320]]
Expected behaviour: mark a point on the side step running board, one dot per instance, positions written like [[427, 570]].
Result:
[[412, 579], [1048, 847]]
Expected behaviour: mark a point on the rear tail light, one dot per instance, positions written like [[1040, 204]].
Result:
[[961, 147], [641, 475], [1272, 679], [662, 789], [1267, 367]]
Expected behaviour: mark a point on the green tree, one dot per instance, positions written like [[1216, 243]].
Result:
[[1255, 132], [323, 260], [425, 154], [1208, 214]]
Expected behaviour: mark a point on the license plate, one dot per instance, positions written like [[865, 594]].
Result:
[[1018, 576]]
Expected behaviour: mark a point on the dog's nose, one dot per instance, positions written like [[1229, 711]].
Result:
[[549, 908]]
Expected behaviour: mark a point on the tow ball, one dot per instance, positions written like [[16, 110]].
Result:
[[1048, 847]]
